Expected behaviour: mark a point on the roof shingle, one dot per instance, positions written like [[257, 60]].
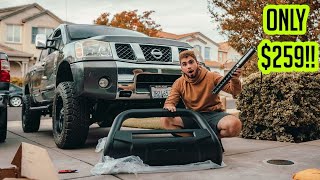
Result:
[[224, 46], [215, 64], [11, 52], [14, 8], [18, 9]]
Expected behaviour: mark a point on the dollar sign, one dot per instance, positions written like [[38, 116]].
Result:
[[267, 64]]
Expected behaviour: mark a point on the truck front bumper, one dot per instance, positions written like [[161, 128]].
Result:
[[127, 81]]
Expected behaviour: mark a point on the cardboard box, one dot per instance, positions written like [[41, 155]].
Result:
[[32, 162]]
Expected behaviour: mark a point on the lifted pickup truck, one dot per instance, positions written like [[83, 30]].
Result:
[[4, 93], [90, 73]]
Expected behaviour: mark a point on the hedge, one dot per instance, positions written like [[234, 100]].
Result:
[[17, 81], [281, 107]]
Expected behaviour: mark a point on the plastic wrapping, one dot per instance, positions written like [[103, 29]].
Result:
[[101, 143], [133, 164]]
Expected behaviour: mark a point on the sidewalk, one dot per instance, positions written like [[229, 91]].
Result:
[[245, 159]]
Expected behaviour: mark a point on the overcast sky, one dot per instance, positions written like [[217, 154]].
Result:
[[174, 16]]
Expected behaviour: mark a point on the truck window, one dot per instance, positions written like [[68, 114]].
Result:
[[57, 43]]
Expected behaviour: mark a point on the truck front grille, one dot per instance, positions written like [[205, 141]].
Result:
[[157, 53], [125, 51], [145, 80]]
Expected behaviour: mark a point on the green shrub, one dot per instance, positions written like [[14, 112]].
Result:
[[16, 81], [281, 107]]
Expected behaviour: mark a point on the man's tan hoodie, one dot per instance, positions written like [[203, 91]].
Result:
[[197, 94]]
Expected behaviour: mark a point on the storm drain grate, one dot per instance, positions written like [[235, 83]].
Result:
[[280, 162]]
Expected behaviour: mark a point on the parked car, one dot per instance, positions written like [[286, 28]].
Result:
[[15, 96], [91, 73], [4, 91]]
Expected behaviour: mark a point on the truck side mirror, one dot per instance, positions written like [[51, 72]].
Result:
[[41, 41]]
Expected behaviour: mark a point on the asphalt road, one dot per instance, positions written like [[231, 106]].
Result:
[[14, 113]]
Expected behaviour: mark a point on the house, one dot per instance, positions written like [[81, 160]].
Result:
[[18, 28], [228, 56], [227, 53], [215, 66], [207, 47]]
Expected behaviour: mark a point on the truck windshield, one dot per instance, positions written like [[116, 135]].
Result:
[[87, 31]]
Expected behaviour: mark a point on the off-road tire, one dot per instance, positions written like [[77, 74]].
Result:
[[70, 117], [30, 119], [3, 124]]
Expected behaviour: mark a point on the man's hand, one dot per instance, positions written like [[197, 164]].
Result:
[[237, 73], [170, 108]]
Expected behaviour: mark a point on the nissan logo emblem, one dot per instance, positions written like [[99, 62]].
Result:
[[156, 53]]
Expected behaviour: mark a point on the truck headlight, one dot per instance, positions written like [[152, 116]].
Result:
[[92, 48]]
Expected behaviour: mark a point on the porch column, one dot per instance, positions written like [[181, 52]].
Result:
[[24, 68]]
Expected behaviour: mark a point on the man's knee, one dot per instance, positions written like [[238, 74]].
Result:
[[171, 123], [166, 122], [235, 127], [232, 125]]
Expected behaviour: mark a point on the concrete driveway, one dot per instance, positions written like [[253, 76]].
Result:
[[245, 159]]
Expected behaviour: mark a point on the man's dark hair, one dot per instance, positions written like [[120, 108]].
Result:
[[187, 53]]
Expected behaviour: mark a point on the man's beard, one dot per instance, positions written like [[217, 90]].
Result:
[[193, 75]]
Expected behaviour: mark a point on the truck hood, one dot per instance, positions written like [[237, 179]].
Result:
[[141, 40]]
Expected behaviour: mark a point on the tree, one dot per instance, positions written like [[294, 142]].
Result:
[[131, 20], [241, 22]]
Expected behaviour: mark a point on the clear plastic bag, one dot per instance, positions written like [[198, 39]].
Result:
[[133, 164], [101, 143]]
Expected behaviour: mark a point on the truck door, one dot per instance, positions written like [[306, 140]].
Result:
[[36, 73], [50, 66]]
